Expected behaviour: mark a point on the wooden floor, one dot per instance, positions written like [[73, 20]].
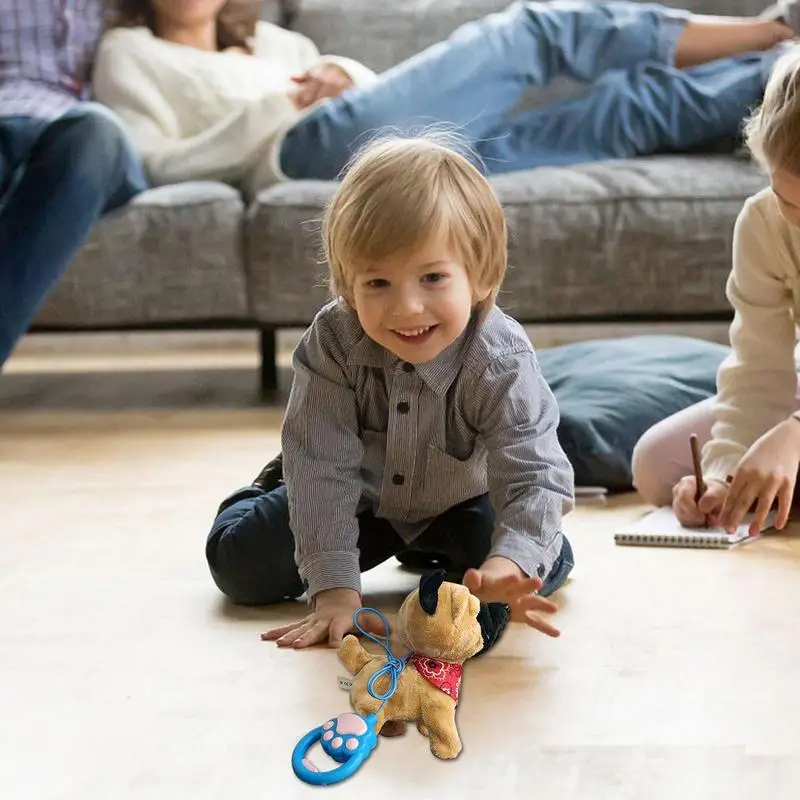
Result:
[[124, 675]]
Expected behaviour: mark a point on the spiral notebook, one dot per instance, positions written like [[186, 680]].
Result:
[[660, 528]]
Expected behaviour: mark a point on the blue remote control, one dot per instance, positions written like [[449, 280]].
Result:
[[348, 739]]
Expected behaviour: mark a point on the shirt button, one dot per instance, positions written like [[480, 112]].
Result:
[[398, 480], [408, 367], [403, 407], [540, 570]]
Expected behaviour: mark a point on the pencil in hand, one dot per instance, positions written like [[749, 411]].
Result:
[[700, 484]]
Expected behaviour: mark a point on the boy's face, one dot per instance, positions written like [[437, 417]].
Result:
[[416, 304], [786, 188]]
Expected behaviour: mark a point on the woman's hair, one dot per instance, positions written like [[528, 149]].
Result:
[[235, 28], [400, 193], [772, 133]]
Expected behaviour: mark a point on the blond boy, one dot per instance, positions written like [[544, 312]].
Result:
[[418, 420]]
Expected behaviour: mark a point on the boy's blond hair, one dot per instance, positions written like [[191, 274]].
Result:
[[772, 133], [398, 194]]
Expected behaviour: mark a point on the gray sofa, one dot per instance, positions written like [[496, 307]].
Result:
[[637, 240]]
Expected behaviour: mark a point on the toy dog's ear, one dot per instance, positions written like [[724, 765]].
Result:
[[493, 619], [429, 590]]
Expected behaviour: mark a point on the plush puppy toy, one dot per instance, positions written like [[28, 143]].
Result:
[[443, 625]]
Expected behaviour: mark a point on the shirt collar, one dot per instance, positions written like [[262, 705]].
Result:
[[438, 374], [368, 353]]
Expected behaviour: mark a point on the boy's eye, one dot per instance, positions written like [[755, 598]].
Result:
[[433, 277], [377, 283]]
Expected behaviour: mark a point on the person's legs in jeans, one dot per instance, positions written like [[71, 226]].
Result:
[[648, 109], [455, 541], [58, 179], [662, 456], [250, 549], [479, 74], [461, 539], [17, 135]]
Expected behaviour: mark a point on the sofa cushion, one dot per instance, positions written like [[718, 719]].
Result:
[[611, 391], [641, 238], [646, 237], [381, 33], [287, 274], [174, 254]]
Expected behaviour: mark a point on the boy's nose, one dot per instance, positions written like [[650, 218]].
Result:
[[407, 303]]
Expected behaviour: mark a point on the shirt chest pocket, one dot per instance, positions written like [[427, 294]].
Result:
[[450, 480]]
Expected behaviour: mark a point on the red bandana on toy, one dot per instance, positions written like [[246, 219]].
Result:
[[441, 674]]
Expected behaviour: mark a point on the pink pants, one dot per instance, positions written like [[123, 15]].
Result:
[[662, 456]]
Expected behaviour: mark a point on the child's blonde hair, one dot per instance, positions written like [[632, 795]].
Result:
[[398, 194], [772, 133]]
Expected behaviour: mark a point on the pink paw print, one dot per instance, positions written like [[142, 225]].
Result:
[[343, 732]]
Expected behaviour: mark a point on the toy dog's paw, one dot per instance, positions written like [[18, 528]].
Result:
[[423, 728], [445, 749], [347, 644], [393, 727], [352, 654]]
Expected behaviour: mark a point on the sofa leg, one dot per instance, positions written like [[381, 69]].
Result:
[[269, 361]]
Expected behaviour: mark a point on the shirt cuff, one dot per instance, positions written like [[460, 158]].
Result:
[[338, 570], [718, 469], [527, 554]]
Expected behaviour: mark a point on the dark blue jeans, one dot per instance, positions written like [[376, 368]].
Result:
[[250, 549], [56, 179]]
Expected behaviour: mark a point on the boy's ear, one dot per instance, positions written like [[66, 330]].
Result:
[[481, 293]]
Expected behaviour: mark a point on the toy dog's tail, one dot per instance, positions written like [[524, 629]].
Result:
[[353, 655]]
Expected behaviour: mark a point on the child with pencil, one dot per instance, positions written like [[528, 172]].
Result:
[[418, 418], [751, 429]]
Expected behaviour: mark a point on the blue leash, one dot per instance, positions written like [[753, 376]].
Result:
[[350, 738], [393, 666]]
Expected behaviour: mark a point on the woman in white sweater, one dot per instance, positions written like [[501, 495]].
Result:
[[752, 427], [207, 95], [207, 90]]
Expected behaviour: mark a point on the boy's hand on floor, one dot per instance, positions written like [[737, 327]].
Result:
[[330, 620], [500, 580]]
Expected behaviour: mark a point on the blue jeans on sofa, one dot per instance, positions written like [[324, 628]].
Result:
[[637, 102], [57, 177]]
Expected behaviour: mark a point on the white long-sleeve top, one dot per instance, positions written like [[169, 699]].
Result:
[[199, 115], [757, 382]]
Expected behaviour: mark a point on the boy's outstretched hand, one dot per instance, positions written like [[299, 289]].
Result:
[[331, 619], [500, 580]]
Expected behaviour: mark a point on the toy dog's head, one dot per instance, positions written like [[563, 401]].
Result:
[[446, 621]]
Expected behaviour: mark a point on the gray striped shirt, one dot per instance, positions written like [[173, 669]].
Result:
[[366, 430]]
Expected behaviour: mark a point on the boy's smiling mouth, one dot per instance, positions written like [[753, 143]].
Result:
[[415, 335]]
